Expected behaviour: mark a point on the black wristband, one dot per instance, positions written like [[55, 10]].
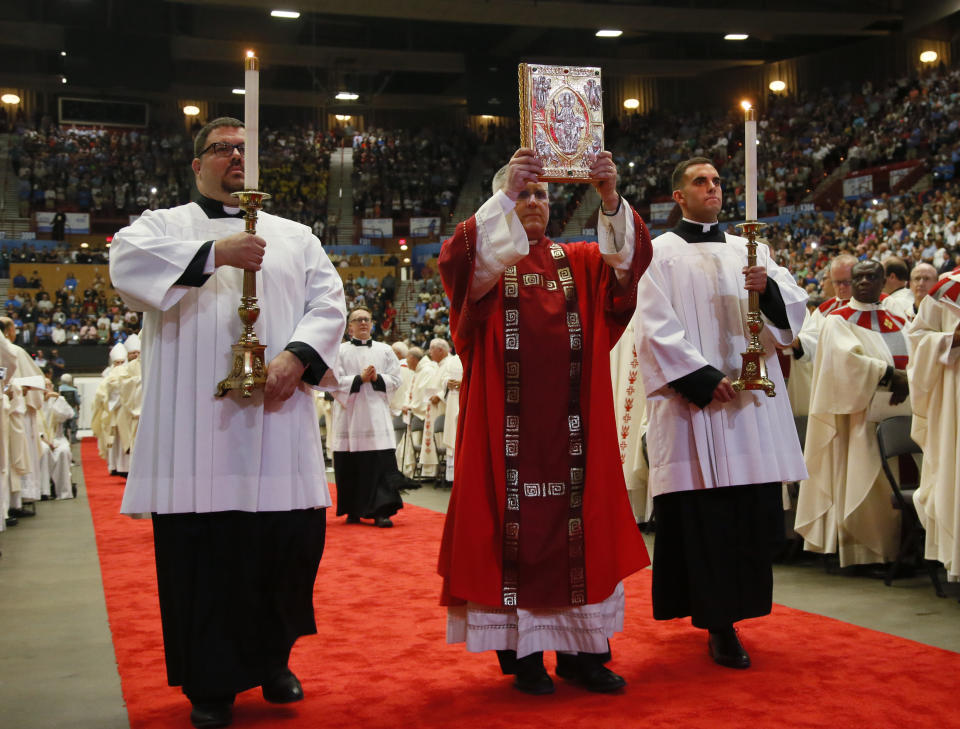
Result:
[[619, 203]]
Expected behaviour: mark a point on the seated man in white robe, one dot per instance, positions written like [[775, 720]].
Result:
[[364, 457], [859, 378], [934, 376], [56, 446]]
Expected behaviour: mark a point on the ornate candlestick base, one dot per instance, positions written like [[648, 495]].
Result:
[[753, 370], [249, 371]]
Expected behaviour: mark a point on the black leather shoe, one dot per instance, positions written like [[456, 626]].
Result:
[[207, 715], [726, 649], [532, 677], [383, 522], [353, 519], [588, 670], [285, 688], [12, 521]]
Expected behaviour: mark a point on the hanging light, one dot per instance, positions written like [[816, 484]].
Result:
[[191, 110], [631, 104], [10, 99], [929, 57], [777, 86]]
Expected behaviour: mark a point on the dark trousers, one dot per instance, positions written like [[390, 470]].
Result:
[[236, 591], [713, 555]]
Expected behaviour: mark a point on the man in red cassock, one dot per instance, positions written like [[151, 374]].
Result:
[[539, 533]]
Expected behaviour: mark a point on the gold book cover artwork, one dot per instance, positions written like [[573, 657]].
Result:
[[561, 119]]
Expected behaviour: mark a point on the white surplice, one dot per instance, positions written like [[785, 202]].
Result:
[[362, 420], [845, 505], [434, 386], [629, 402], [195, 452], [934, 373], [691, 312]]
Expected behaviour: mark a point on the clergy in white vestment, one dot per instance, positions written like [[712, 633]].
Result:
[[399, 398], [452, 373], [934, 375], [899, 297], [364, 444], [923, 277], [432, 401], [717, 456], [130, 387], [805, 346], [56, 446], [415, 408], [237, 486], [628, 404], [102, 419], [859, 378], [32, 483], [8, 370]]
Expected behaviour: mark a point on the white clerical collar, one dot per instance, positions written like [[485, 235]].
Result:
[[861, 306], [230, 210], [705, 226]]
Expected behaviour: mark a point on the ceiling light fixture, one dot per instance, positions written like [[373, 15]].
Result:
[[240, 92], [631, 104], [736, 36], [348, 96], [191, 110], [10, 99], [609, 33], [288, 14], [777, 86], [928, 56]]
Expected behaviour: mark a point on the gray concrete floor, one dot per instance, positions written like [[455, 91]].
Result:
[[58, 669]]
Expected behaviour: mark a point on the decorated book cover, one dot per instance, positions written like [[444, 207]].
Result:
[[561, 118]]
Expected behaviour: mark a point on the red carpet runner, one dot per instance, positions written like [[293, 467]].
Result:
[[380, 659]]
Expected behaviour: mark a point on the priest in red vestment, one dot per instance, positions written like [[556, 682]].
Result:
[[539, 533]]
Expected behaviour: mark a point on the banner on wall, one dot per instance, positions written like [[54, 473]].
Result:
[[660, 212], [76, 222], [423, 227], [376, 227], [861, 186]]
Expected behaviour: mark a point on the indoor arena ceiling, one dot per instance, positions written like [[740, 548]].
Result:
[[409, 53]]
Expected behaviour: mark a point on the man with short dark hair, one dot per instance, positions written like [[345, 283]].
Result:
[[363, 440], [718, 456], [237, 486], [899, 298], [859, 379]]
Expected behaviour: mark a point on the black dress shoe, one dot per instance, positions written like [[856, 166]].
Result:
[[12, 521], [726, 649], [207, 715], [588, 670], [383, 522], [353, 519], [285, 688], [531, 677]]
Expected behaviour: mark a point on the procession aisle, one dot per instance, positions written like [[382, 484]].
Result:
[[380, 659]]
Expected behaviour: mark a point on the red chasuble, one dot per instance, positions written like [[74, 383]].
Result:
[[539, 514]]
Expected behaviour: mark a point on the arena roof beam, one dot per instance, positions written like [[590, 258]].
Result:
[[631, 18]]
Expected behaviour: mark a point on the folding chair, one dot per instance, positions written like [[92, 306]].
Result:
[[893, 439]]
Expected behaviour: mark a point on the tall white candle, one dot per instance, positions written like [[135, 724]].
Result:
[[750, 162], [251, 120]]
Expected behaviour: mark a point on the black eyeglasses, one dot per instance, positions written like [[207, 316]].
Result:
[[223, 149]]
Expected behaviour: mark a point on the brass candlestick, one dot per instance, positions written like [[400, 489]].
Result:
[[753, 372], [249, 371]]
